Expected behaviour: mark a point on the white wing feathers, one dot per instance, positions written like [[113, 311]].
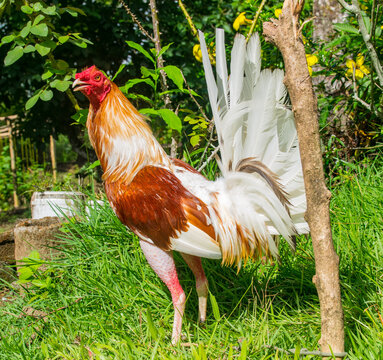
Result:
[[252, 119], [258, 143]]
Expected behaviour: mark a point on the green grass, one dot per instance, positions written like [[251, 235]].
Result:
[[104, 302]]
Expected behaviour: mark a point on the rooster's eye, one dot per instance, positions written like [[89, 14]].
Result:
[[97, 77]]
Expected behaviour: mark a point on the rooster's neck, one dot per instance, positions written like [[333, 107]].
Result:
[[122, 139]]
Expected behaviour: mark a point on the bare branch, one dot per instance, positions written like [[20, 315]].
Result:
[[157, 44], [212, 155], [160, 65], [304, 23], [135, 20], [195, 100]]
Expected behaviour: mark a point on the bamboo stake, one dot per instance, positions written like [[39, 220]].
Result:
[[53, 157], [16, 202], [285, 34]]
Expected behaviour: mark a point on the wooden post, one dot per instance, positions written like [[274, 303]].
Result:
[[16, 202], [285, 33], [53, 157]]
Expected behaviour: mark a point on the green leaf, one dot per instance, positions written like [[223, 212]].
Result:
[[40, 283], [40, 30], [26, 30], [139, 96], [122, 67], [46, 75], [150, 111], [37, 6], [187, 91], [133, 82], [149, 73], [80, 43], [63, 39], [367, 22], [7, 39], [46, 95], [25, 273], [38, 19], [152, 328], [26, 9], [42, 50], [19, 41], [50, 10], [336, 42], [34, 255], [32, 101], [62, 65], [49, 43], [138, 47], [80, 116], [60, 85], [194, 140], [171, 119], [74, 11], [175, 74], [164, 49], [93, 165], [214, 305], [346, 28], [28, 49], [13, 55]]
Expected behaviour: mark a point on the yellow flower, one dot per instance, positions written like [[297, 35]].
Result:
[[197, 52], [277, 12], [360, 69], [211, 52], [241, 20], [311, 61]]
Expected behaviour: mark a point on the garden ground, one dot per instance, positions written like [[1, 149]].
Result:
[[101, 300]]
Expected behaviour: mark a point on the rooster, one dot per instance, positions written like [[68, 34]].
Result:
[[171, 206]]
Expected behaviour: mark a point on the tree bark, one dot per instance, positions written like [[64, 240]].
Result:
[[285, 34], [326, 12]]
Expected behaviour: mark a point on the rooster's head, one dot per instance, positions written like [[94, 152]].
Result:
[[93, 84]]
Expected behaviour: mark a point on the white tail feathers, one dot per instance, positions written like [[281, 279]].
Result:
[[259, 151]]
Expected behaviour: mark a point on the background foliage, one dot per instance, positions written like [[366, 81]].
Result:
[[102, 285]]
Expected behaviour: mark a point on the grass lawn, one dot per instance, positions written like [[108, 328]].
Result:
[[102, 300]]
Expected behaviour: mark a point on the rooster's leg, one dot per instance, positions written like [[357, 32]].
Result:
[[195, 265], [163, 264]]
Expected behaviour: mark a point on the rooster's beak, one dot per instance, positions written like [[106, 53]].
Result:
[[81, 85]]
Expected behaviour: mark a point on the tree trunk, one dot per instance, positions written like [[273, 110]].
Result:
[[327, 13], [285, 34]]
